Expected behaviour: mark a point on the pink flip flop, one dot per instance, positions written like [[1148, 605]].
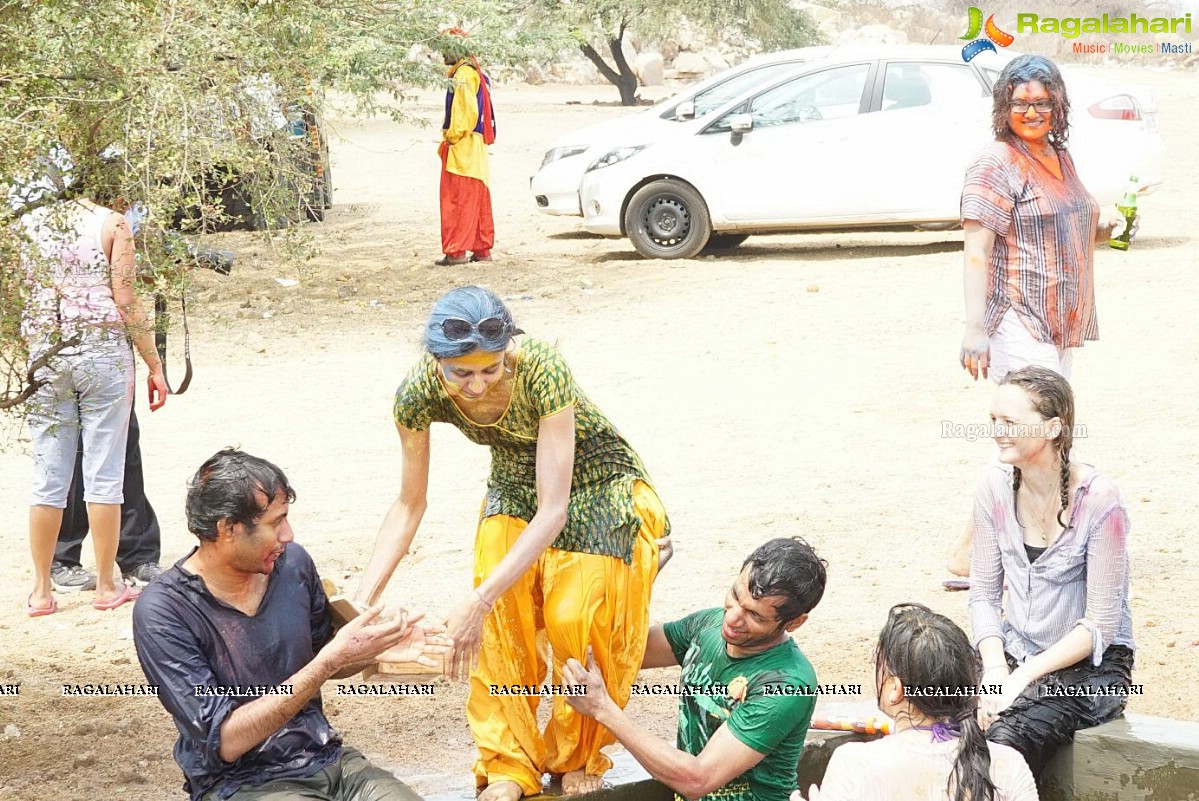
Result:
[[33, 611], [127, 594], [959, 584]]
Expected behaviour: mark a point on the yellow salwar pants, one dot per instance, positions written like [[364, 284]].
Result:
[[573, 600]]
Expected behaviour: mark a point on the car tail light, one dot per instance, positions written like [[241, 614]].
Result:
[[1117, 107]]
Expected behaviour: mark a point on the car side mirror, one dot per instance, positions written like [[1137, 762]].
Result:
[[741, 123], [684, 110]]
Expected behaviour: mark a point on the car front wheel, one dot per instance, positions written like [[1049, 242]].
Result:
[[667, 219]]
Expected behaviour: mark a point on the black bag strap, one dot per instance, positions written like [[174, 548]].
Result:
[[162, 321]]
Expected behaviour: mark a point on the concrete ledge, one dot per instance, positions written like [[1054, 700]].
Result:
[[1133, 758], [643, 790], [818, 748]]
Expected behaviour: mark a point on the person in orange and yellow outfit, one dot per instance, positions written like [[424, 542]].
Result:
[[570, 539], [466, 131]]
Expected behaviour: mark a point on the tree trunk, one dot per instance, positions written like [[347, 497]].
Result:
[[622, 76], [627, 84]]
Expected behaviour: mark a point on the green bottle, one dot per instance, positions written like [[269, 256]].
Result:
[[1128, 208]]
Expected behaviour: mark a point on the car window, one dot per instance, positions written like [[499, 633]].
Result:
[[825, 95], [910, 85], [714, 97]]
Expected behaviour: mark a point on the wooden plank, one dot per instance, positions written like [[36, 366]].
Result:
[[401, 671], [341, 606], [344, 610]]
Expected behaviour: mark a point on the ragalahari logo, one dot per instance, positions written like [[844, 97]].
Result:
[[994, 35]]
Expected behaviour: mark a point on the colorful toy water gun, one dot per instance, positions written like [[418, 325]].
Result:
[[875, 724]]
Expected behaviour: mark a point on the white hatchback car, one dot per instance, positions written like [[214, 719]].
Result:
[[555, 186], [870, 138]]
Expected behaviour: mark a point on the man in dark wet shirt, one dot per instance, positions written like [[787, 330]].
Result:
[[238, 638]]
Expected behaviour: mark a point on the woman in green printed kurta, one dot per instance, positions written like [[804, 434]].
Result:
[[570, 540]]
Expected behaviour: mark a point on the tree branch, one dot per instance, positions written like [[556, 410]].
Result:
[[32, 384], [598, 60], [615, 45]]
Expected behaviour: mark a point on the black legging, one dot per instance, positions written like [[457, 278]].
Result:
[[1039, 722]]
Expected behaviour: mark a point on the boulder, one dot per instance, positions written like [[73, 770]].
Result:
[[649, 69], [630, 52], [581, 71], [715, 59], [534, 74], [691, 65], [670, 50]]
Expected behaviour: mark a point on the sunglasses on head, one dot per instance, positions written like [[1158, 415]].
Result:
[[457, 329]]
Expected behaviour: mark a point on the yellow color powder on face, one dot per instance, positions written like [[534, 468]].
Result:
[[476, 358]]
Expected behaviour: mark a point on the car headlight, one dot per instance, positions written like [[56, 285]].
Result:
[[555, 153], [615, 156]]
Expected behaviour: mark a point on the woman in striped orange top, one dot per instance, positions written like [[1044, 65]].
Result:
[[1030, 233]]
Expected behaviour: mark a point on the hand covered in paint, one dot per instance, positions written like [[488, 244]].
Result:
[[665, 551], [368, 635], [976, 352], [465, 627], [595, 698], [425, 644]]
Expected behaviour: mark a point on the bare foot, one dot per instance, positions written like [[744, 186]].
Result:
[[577, 783], [959, 558], [501, 791]]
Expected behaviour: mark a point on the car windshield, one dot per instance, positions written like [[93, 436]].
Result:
[[823, 95], [716, 96]]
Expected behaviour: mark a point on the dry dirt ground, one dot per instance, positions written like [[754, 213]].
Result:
[[797, 386]]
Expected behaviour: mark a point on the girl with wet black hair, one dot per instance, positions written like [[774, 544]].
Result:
[[926, 677]]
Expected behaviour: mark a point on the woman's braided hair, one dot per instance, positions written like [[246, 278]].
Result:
[[1051, 397]]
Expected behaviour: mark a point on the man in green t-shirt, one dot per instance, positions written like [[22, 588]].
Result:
[[747, 691]]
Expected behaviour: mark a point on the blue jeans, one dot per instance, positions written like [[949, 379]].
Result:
[[88, 393]]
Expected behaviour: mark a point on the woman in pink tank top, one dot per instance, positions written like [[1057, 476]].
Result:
[[80, 265]]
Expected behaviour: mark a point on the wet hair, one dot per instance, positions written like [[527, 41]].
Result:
[[924, 649], [473, 304], [1051, 397], [1024, 69], [231, 486], [788, 568]]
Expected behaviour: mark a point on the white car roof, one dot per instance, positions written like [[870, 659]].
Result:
[[1085, 87]]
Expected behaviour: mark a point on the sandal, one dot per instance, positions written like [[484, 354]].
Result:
[[127, 594], [34, 611]]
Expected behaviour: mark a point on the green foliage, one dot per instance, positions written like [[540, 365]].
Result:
[[159, 101], [598, 27], [773, 24]]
